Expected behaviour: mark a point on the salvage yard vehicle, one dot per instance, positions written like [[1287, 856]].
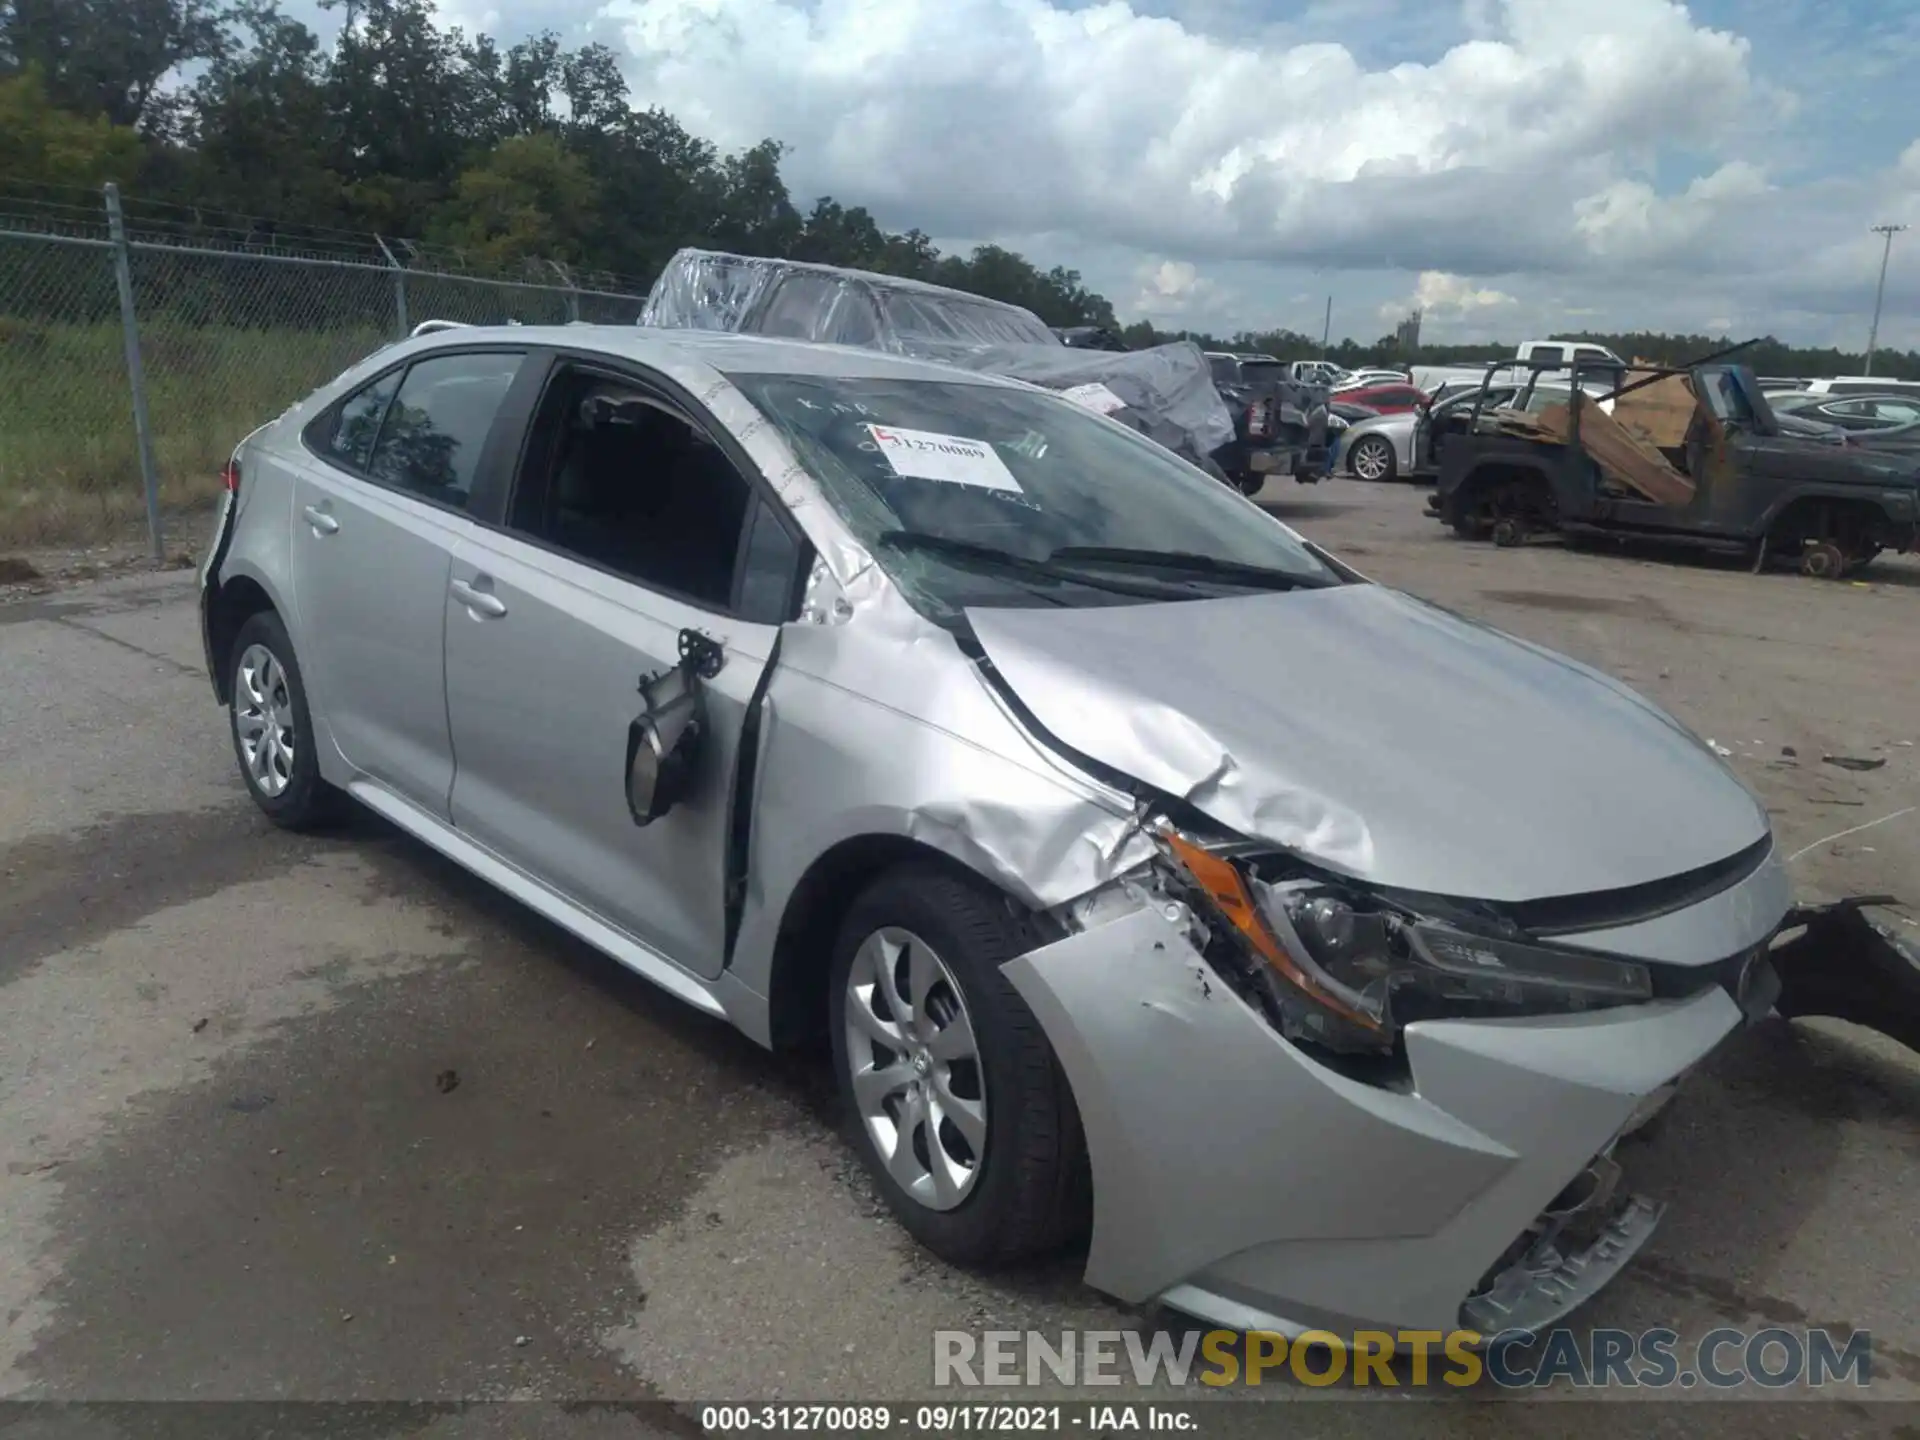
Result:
[[1408, 442], [1390, 397], [1166, 391], [1693, 456], [1848, 412], [1066, 793], [1280, 424]]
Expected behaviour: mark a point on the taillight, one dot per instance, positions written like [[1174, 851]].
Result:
[[1260, 419], [230, 475]]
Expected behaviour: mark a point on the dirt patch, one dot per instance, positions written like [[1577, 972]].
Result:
[[63, 891], [323, 1218], [1562, 602]]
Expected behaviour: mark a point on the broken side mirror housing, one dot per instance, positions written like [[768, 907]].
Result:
[[665, 741]]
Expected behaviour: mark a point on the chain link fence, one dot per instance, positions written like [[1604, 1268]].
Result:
[[207, 344]]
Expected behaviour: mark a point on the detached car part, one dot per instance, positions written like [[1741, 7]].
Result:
[[1846, 965], [664, 740]]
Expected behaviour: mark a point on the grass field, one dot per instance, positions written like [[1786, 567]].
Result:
[[69, 467]]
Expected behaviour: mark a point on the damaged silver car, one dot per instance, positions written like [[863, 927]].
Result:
[[1076, 802]]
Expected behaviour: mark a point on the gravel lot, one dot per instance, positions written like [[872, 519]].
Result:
[[325, 1119]]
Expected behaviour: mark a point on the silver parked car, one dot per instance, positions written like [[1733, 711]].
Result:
[[1072, 797], [1387, 447]]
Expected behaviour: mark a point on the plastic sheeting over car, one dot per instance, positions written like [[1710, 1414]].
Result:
[[1165, 392]]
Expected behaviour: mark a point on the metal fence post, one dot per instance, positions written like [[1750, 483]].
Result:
[[399, 287], [136, 373], [573, 294]]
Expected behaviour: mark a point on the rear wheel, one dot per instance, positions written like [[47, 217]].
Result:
[[955, 1101], [272, 729]]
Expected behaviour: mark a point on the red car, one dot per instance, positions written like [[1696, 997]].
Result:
[[1387, 399]]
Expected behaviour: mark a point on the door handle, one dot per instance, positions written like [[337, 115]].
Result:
[[480, 602], [321, 521]]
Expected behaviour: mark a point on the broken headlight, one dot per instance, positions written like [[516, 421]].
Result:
[[1337, 965]]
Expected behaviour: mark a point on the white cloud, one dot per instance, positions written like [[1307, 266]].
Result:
[[1173, 294], [1527, 150], [1442, 298], [1025, 115], [1629, 220]]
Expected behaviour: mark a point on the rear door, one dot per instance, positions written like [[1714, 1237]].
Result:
[[624, 536], [380, 500]]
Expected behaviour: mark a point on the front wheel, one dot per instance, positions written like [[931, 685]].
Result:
[[1372, 459], [955, 1101]]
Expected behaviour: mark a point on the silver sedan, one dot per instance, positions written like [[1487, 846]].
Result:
[[1380, 448], [1071, 798]]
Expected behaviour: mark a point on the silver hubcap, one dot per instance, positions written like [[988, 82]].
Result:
[[263, 719], [917, 1078], [1370, 460]]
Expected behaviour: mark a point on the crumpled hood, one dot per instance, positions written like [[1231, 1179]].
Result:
[[1383, 737]]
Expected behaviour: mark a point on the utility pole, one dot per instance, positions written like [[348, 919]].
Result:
[[1880, 292], [1326, 328]]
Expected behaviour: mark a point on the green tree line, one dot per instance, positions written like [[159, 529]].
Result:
[[231, 111]]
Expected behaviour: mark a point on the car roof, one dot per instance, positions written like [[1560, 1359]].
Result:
[[724, 351]]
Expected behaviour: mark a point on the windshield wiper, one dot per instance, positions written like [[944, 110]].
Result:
[[971, 552], [1185, 562]]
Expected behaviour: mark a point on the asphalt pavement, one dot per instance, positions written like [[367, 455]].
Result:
[[301, 1119]]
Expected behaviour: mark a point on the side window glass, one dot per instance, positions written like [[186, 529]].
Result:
[[629, 485], [358, 422], [767, 568], [1549, 355], [437, 425]]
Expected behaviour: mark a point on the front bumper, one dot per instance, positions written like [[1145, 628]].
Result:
[[1240, 1181]]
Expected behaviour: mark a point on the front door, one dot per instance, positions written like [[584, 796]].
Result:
[[626, 530]]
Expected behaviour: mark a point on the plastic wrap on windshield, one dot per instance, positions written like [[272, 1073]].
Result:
[[1167, 392]]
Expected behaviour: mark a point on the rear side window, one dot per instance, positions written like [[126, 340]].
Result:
[[1548, 355], [358, 422], [431, 438]]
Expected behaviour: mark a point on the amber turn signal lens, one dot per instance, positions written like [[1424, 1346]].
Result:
[[1228, 891]]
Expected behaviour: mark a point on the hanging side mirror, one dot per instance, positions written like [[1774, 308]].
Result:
[[665, 740]]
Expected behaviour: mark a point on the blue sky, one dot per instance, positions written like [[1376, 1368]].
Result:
[[1513, 166]]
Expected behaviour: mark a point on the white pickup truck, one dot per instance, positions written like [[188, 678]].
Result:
[[1548, 355], [1564, 352]]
